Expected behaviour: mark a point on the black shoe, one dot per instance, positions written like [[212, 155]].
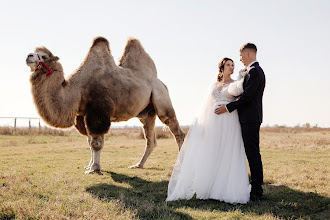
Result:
[[254, 197]]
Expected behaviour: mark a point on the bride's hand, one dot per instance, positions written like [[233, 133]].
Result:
[[220, 110]]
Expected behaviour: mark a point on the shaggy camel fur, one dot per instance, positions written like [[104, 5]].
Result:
[[100, 92]]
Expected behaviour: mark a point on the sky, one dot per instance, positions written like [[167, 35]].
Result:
[[186, 39]]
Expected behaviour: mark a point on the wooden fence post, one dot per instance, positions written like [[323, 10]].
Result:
[[24, 118]]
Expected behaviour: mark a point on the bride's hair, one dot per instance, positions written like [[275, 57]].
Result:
[[222, 66]]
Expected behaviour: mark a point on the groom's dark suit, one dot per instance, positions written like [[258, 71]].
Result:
[[249, 107]]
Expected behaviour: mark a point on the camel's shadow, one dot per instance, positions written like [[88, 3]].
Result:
[[146, 198]]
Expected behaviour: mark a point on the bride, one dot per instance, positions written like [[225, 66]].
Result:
[[211, 162]]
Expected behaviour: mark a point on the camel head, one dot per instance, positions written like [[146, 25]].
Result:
[[41, 56]]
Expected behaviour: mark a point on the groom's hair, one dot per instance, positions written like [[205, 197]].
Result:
[[250, 46]]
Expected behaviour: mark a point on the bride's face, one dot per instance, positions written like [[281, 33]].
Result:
[[228, 68]]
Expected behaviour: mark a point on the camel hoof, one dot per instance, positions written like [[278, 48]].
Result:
[[136, 166], [93, 172], [87, 167]]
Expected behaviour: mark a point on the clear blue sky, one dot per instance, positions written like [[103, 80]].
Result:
[[186, 40]]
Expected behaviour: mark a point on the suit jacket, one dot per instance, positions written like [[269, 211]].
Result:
[[249, 104]]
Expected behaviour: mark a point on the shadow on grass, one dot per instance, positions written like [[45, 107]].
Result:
[[146, 198]]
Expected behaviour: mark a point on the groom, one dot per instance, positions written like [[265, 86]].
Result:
[[249, 107]]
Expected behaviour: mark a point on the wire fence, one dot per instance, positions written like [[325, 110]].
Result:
[[20, 122]]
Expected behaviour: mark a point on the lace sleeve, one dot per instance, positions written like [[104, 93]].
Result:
[[236, 88]]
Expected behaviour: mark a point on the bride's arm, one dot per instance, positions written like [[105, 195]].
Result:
[[236, 88]]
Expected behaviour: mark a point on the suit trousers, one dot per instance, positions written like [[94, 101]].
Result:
[[251, 139]]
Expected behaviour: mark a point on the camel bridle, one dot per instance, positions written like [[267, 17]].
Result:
[[43, 64]]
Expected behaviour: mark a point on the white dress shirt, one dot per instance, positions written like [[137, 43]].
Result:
[[251, 64]]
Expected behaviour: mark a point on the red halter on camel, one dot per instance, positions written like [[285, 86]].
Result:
[[42, 63]]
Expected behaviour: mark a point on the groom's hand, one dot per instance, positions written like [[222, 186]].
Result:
[[220, 110]]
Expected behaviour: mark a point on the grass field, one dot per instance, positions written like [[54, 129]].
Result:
[[42, 177]]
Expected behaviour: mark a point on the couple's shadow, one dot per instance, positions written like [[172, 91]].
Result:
[[146, 198]]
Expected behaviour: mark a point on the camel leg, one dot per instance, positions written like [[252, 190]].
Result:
[[97, 123], [149, 134], [80, 125], [96, 143], [91, 161], [165, 111], [89, 138], [171, 121]]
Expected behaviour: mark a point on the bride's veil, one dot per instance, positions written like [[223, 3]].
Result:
[[194, 140]]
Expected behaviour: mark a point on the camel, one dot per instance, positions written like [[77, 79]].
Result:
[[99, 92]]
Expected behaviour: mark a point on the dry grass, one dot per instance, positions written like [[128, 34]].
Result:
[[35, 131], [42, 177], [305, 140], [283, 129]]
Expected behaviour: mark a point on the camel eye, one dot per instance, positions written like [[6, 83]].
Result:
[[44, 57]]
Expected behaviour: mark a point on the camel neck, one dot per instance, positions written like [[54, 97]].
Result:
[[57, 104]]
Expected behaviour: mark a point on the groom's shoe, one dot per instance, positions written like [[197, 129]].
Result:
[[255, 197]]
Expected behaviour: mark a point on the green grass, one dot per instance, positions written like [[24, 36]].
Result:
[[42, 177]]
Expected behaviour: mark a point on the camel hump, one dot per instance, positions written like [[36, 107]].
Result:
[[100, 40], [135, 57], [133, 44]]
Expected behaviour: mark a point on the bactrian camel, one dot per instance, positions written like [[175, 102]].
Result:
[[100, 92]]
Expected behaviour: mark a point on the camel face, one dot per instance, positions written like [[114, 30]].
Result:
[[32, 59], [41, 54]]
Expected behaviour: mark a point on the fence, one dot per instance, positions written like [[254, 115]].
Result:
[[22, 118]]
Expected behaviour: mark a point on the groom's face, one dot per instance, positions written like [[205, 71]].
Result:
[[244, 57]]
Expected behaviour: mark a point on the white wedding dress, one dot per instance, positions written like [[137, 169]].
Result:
[[212, 162]]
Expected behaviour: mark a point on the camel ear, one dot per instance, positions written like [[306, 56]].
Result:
[[56, 58]]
